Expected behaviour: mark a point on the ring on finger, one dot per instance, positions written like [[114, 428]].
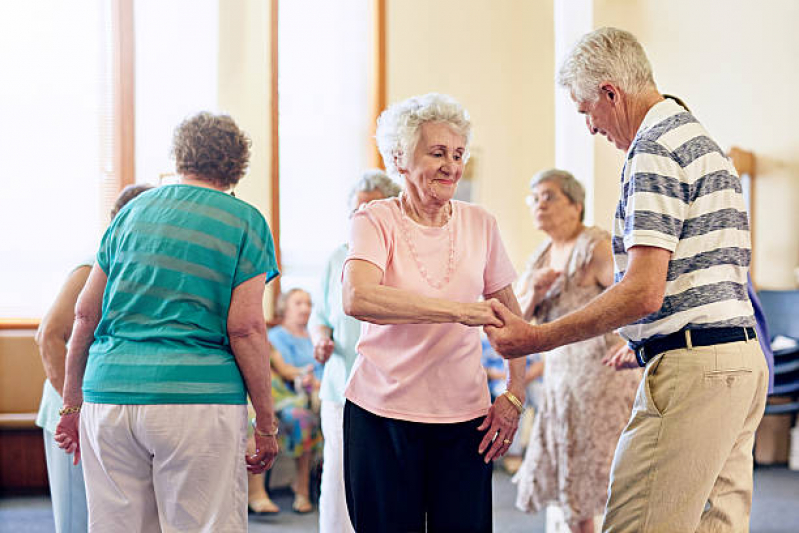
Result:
[[506, 441]]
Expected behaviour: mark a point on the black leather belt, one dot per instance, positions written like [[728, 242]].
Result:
[[699, 337]]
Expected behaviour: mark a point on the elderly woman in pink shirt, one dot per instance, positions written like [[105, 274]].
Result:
[[419, 427]]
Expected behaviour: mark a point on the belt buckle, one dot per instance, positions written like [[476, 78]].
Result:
[[640, 356]]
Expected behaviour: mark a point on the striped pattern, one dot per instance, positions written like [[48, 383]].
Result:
[[173, 257], [680, 192]]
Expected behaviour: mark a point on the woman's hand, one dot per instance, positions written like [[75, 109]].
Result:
[[620, 357], [67, 435], [323, 349], [543, 278], [480, 314], [501, 422], [266, 449]]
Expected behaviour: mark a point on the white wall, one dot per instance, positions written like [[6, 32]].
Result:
[[734, 64]]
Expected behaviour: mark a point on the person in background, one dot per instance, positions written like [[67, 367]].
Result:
[[67, 491], [168, 340], [420, 430], [296, 379], [585, 405], [682, 251], [335, 335]]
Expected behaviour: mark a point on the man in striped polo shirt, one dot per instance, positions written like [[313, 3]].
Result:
[[682, 251]]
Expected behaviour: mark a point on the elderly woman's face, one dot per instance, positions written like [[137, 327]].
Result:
[[551, 209], [436, 165], [298, 308]]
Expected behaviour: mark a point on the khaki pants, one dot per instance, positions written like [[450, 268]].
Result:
[[684, 461]]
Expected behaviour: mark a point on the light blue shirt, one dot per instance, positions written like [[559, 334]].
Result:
[[328, 312]]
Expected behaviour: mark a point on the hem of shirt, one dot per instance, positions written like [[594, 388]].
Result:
[[270, 275], [361, 258], [637, 239], [421, 418], [119, 398]]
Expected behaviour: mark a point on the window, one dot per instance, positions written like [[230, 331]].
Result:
[[55, 102], [325, 60]]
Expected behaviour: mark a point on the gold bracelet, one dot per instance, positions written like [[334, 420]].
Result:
[[69, 410], [264, 433], [514, 400]]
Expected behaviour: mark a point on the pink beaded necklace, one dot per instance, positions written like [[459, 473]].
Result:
[[422, 269]]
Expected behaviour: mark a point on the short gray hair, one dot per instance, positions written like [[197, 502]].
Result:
[[571, 188], [374, 179], [606, 54], [399, 126]]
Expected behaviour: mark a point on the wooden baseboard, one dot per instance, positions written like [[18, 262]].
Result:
[[23, 467]]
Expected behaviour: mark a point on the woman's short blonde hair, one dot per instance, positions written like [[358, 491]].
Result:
[[211, 147], [399, 127]]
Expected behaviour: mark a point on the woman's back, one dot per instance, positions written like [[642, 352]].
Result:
[[172, 258]]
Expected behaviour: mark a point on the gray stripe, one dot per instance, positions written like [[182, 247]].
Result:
[[183, 234], [174, 359], [658, 184], [697, 297], [673, 122], [695, 148], [651, 147], [715, 181], [163, 294], [720, 256], [714, 221], [171, 263], [650, 220], [618, 245]]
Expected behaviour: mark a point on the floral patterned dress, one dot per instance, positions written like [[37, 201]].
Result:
[[585, 404]]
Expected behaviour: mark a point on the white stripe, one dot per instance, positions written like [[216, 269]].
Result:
[[657, 203], [724, 238], [722, 199], [710, 313], [653, 164], [675, 138], [707, 276], [707, 164]]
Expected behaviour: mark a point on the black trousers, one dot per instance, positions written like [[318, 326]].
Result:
[[405, 476]]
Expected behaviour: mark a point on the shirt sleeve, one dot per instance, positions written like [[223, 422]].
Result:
[[368, 240], [499, 271], [320, 316], [655, 199], [256, 253]]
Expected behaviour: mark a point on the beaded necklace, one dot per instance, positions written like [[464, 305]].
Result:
[[422, 269]]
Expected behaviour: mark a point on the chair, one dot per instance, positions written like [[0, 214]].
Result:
[[782, 314]]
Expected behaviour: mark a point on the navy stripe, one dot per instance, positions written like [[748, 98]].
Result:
[[697, 297], [714, 221], [650, 220], [658, 184], [715, 181], [650, 147], [720, 256], [697, 147], [618, 245]]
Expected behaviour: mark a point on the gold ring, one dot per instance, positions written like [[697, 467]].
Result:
[[506, 441]]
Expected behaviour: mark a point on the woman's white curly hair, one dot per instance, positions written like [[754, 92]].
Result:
[[399, 127]]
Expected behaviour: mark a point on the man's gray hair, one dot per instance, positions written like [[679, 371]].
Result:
[[569, 186], [399, 127], [374, 179], [606, 54]]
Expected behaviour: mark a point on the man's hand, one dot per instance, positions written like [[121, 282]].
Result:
[[620, 357], [323, 349], [516, 338]]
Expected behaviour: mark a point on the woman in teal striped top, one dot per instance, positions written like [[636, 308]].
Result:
[[169, 339]]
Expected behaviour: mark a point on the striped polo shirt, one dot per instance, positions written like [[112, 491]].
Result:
[[681, 193], [173, 256]]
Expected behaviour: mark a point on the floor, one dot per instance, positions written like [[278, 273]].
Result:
[[775, 509]]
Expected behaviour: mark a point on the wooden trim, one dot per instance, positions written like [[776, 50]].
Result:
[[19, 323], [745, 162], [275, 117], [379, 75], [124, 92]]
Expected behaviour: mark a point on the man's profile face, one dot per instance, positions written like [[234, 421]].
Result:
[[602, 117]]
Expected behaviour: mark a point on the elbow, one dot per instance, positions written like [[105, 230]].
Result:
[[246, 329], [350, 298], [650, 302]]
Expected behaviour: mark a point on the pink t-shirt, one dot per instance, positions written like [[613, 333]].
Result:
[[426, 372]]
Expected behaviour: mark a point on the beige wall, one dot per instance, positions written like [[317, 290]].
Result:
[[497, 59], [244, 92], [735, 65]]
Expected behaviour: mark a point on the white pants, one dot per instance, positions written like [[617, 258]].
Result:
[[333, 515], [170, 468], [66, 488]]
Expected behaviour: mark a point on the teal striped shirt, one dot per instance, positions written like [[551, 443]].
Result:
[[173, 256]]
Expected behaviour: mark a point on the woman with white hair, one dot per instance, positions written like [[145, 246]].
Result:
[[419, 428], [585, 405], [335, 335]]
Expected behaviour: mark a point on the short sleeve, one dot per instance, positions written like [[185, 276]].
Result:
[[368, 239], [655, 203], [104, 255], [499, 271], [256, 252]]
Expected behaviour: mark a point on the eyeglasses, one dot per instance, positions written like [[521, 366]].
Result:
[[546, 196]]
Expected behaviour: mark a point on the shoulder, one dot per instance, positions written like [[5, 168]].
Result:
[[379, 210], [474, 214]]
